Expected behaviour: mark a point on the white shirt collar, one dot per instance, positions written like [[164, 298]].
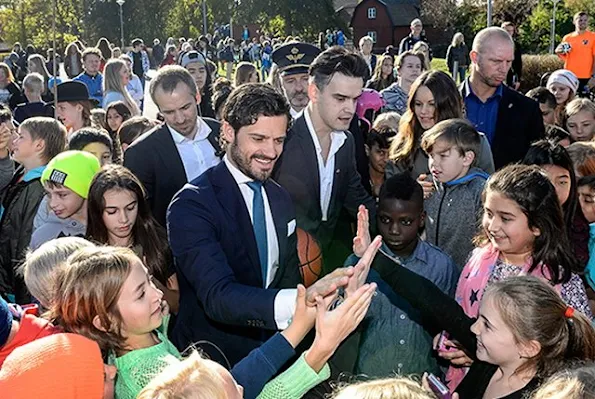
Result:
[[202, 133], [237, 174], [336, 134], [295, 114]]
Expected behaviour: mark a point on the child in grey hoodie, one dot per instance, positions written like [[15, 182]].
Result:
[[454, 209]]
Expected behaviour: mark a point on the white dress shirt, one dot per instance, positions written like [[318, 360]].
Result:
[[197, 154], [326, 171], [285, 299], [295, 114]]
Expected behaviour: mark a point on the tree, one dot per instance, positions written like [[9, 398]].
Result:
[[534, 32]]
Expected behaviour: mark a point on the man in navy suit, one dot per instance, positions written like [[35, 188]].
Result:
[[232, 233]]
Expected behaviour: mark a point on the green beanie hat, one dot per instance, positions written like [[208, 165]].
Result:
[[72, 169]]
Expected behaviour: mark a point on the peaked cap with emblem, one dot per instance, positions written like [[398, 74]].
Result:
[[295, 57]]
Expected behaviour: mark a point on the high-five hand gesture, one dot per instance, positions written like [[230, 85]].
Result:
[[362, 239], [332, 327]]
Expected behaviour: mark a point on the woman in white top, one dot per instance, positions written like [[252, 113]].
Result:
[[135, 86], [116, 77]]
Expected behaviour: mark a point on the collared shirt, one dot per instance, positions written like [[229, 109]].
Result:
[[326, 171], [197, 154], [394, 341], [285, 299], [483, 115], [295, 114]]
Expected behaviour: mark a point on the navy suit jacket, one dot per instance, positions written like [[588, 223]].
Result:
[[222, 299], [518, 125]]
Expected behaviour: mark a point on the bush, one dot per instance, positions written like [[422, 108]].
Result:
[[534, 66]]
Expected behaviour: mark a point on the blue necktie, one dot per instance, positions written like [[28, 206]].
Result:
[[260, 228]]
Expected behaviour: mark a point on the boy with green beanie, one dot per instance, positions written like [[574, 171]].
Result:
[[66, 181], [36, 141]]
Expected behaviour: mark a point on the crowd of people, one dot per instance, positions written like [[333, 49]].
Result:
[[355, 217]]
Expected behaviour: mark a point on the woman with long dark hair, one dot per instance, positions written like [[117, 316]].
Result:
[[116, 114], [433, 98], [119, 214], [383, 75], [554, 159]]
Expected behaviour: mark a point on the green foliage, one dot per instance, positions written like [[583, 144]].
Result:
[[30, 21], [534, 32]]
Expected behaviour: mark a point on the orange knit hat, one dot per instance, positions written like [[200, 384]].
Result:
[[65, 366]]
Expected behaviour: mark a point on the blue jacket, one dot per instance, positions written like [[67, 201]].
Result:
[[211, 236], [262, 364], [94, 85]]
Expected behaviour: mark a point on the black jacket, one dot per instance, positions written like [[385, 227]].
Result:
[[516, 70], [20, 201], [297, 172], [155, 160], [440, 312], [518, 125]]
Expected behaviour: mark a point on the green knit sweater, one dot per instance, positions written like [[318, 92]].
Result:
[[295, 381], [138, 367]]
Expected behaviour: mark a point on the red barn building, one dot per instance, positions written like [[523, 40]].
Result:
[[386, 21]]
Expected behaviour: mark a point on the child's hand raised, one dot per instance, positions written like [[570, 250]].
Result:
[[303, 317], [362, 239], [362, 268], [332, 327]]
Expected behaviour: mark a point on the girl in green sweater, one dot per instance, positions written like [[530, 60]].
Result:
[[106, 294]]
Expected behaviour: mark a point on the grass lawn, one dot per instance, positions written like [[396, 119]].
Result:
[[440, 64]]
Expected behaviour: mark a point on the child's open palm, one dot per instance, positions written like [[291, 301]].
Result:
[[362, 239]]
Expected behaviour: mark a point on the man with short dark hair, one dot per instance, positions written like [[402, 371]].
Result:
[[318, 165], [170, 155], [232, 231], [140, 60]]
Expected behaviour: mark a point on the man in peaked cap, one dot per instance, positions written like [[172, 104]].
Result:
[[293, 60]]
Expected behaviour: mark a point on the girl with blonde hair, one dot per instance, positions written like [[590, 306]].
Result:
[[36, 63], [10, 93], [424, 49], [457, 57], [115, 79]]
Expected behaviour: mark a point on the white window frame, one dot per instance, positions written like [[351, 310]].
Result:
[[373, 35], [372, 13]]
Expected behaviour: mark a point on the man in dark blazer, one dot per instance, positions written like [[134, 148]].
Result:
[[318, 165], [510, 120], [232, 233], [186, 145]]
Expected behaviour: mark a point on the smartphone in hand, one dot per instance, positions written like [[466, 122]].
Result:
[[438, 387], [441, 345]]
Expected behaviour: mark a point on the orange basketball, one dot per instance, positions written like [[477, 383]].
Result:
[[310, 257]]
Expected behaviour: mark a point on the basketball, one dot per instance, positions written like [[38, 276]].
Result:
[[310, 257]]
